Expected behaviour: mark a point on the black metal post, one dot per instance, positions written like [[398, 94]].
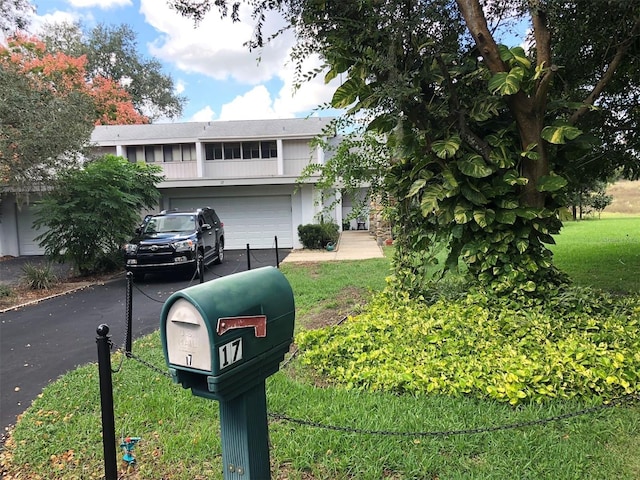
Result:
[[277, 253], [201, 268], [248, 257], [129, 306], [106, 402]]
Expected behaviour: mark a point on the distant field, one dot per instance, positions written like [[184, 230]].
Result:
[[626, 197]]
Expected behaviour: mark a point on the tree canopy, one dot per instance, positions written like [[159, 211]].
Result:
[[48, 111], [483, 136], [112, 53]]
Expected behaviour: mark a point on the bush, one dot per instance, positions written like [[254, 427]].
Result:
[[39, 277], [6, 291], [318, 235], [575, 346]]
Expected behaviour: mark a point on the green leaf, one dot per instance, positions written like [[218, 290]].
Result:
[[559, 134], [484, 218], [502, 157], [347, 93], [515, 55], [473, 195], [416, 187], [446, 148], [551, 183], [449, 178], [474, 166], [462, 214], [507, 217], [512, 177], [507, 83], [431, 196], [522, 244], [484, 109]]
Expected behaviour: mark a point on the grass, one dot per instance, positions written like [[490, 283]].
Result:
[[603, 254], [58, 437]]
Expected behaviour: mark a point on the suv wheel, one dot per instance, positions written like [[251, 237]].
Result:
[[219, 253]]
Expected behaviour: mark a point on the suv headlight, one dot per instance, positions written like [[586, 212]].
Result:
[[130, 248], [184, 245]]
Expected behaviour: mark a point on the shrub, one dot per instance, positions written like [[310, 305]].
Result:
[[38, 277], [484, 347], [318, 235], [6, 291]]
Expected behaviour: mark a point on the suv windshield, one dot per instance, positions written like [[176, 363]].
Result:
[[171, 223]]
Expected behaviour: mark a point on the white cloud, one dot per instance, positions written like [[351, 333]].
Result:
[[216, 47], [38, 21], [102, 4], [254, 105], [204, 115]]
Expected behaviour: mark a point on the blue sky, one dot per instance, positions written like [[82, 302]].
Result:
[[209, 64]]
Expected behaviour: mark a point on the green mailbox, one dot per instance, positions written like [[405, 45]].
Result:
[[222, 337]]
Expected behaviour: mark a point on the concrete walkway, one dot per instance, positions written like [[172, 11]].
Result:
[[352, 245]]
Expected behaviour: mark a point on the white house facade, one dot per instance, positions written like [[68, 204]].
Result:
[[246, 170]]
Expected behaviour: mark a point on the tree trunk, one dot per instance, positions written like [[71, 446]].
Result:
[[528, 111]]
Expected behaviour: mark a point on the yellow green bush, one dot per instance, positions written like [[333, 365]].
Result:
[[581, 344]]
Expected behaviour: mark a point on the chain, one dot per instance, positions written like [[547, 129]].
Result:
[[137, 359], [627, 399]]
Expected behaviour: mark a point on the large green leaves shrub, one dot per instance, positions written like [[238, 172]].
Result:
[[91, 211], [581, 344]]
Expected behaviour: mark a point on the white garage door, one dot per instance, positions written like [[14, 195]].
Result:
[[253, 220], [26, 232]]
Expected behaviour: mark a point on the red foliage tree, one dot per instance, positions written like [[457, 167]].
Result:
[[62, 74]]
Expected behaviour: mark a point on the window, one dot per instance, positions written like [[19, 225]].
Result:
[[149, 154], [188, 152], [213, 151], [131, 154], [269, 149], [167, 153], [250, 150], [238, 150], [232, 150]]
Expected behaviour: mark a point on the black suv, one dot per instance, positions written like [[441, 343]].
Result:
[[173, 240]]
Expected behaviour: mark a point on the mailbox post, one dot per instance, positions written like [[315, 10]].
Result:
[[222, 339]]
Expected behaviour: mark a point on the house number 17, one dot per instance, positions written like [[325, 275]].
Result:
[[230, 353]]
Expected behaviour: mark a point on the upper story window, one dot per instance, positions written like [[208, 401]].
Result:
[[170, 152], [132, 154], [149, 154], [240, 150], [269, 149], [231, 150]]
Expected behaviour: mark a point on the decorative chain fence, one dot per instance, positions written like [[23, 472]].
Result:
[[625, 400]]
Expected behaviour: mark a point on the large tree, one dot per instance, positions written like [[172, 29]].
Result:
[[483, 136], [112, 53], [48, 111]]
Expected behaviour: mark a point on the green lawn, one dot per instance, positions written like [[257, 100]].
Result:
[[603, 254], [59, 435]]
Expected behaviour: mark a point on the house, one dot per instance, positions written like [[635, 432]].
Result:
[[246, 170]]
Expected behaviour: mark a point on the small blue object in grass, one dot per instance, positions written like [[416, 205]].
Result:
[[331, 246], [127, 444]]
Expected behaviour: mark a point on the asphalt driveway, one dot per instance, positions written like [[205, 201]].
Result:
[[39, 343]]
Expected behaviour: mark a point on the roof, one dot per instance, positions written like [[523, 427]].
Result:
[[209, 131]]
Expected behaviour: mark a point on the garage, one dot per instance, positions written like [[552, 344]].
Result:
[[26, 233], [255, 220]]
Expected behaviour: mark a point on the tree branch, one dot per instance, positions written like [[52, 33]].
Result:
[[477, 24], [610, 71]]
